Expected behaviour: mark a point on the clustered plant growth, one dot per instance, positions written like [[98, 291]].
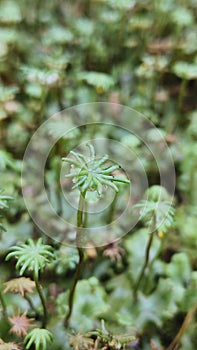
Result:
[[89, 174], [158, 217], [55, 55], [33, 257]]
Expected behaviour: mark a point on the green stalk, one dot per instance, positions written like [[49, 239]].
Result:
[[85, 214], [186, 323], [42, 299], [144, 266], [4, 309], [80, 213], [112, 209], [58, 186], [161, 248], [146, 261], [80, 224]]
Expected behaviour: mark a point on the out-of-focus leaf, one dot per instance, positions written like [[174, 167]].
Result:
[[179, 269], [67, 259], [10, 12], [98, 80], [90, 301], [185, 70]]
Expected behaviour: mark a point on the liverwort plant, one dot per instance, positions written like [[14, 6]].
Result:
[[157, 215], [88, 174], [108, 340], [39, 337], [33, 257], [92, 173]]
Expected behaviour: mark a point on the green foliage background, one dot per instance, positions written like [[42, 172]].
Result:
[[142, 54]]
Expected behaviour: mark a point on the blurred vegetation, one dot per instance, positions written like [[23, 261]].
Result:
[[142, 54]]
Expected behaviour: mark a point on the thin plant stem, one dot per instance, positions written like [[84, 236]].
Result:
[[177, 340], [80, 212], [161, 248], [85, 215], [42, 299], [80, 224], [151, 263], [4, 309], [58, 188], [146, 261], [141, 275], [112, 209], [72, 292]]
